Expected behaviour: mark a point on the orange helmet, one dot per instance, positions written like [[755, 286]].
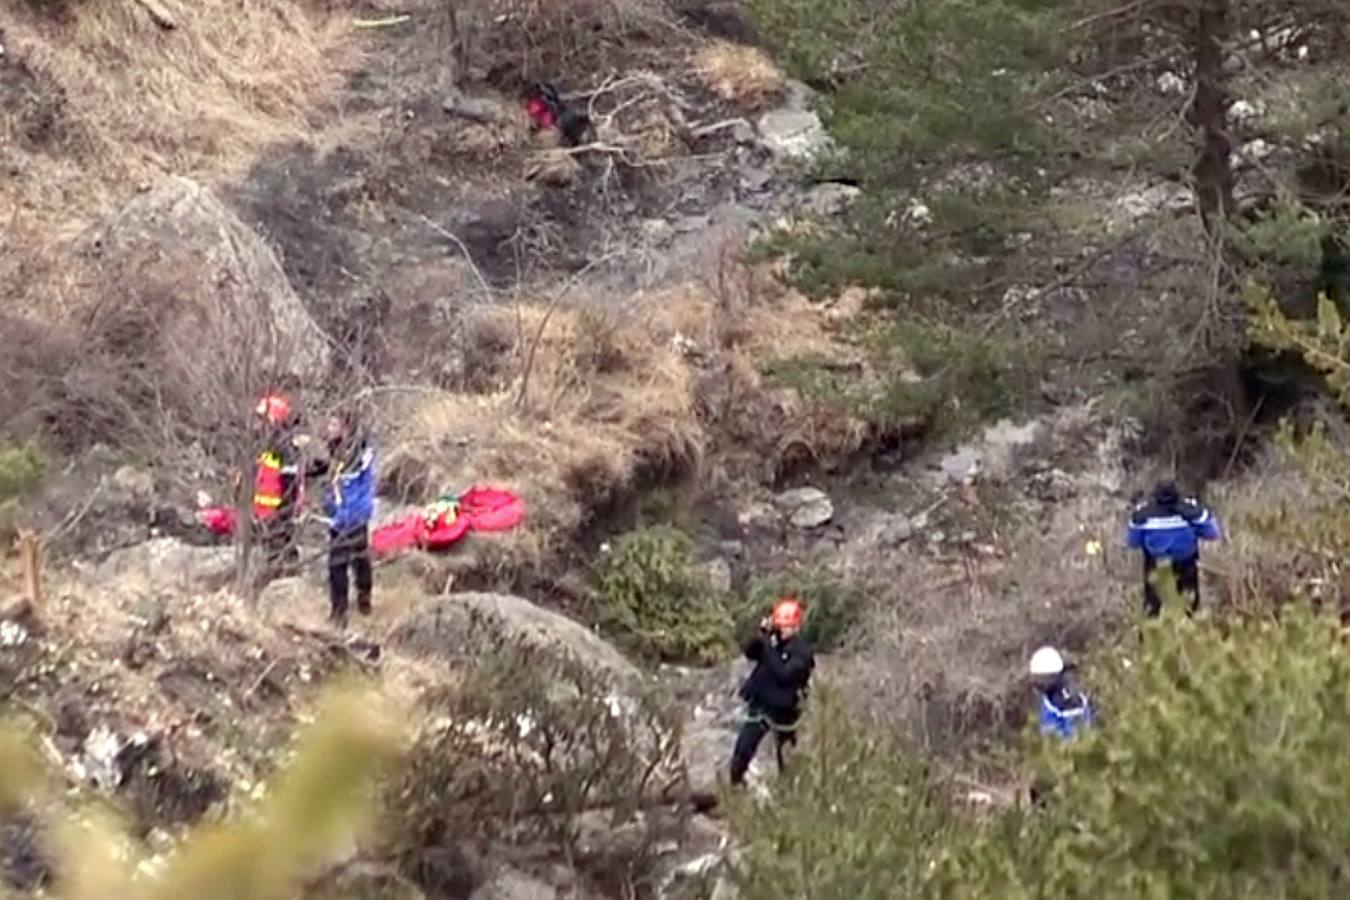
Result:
[[787, 613], [275, 408]]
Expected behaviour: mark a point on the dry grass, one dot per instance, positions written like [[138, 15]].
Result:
[[615, 401], [742, 75], [108, 97], [1252, 569]]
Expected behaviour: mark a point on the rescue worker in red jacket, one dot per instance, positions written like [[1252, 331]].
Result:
[[277, 485]]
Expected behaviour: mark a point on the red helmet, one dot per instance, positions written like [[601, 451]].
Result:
[[275, 408], [787, 613]]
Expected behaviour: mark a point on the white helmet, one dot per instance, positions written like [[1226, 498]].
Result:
[[1046, 661]]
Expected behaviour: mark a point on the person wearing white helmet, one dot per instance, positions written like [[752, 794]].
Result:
[[1064, 710]]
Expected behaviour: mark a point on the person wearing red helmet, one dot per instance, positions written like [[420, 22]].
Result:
[[776, 686], [277, 484]]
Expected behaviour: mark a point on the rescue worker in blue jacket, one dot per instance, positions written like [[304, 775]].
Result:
[[1064, 711], [349, 504], [1168, 529]]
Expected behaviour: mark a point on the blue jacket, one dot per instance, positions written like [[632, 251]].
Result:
[[349, 499], [1064, 712], [1171, 531]]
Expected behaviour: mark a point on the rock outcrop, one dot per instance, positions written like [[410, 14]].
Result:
[[443, 626], [169, 564], [212, 288]]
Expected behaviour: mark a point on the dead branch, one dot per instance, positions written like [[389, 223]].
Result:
[[29, 545], [548, 315], [705, 130], [158, 14], [454, 238]]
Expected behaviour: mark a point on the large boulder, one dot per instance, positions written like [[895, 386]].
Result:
[[169, 564], [443, 626], [213, 292]]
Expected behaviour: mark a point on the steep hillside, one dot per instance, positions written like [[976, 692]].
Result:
[[907, 337]]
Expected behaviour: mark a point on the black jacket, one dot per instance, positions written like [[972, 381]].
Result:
[[781, 675]]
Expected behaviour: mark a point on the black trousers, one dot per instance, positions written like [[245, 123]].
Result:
[[1187, 572], [757, 725], [280, 548], [349, 549]]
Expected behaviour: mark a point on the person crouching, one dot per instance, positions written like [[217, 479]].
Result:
[[1064, 710]]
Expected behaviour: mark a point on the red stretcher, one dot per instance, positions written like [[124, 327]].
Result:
[[437, 527]]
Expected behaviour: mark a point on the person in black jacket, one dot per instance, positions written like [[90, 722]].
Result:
[[776, 686]]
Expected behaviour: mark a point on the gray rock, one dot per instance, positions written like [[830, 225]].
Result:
[[806, 507], [961, 464], [830, 199], [483, 110], [224, 279], [755, 514], [707, 753], [796, 135], [889, 530], [444, 625], [1004, 439], [718, 573], [292, 598], [134, 482], [725, 889], [743, 132], [512, 884], [691, 224], [658, 231], [732, 549], [754, 180], [170, 564], [799, 97]]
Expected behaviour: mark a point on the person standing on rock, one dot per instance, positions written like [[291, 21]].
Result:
[[1168, 530], [783, 664], [277, 486], [349, 504]]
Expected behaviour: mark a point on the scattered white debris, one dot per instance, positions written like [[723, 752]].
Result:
[[524, 724], [99, 764], [918, 213], [1171, 83], [1257, 150], [1242, 111], [12, 634]]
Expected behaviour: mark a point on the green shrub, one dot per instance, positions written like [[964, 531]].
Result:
[[854, 817], [1217, 769], [311, 808], [22, 469], [528, 740], [966, 379], [833, 605], [652, 595], [978, 378]]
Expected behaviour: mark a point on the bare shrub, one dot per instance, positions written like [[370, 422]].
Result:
[[742, 75], [520, 749], [524, 39]]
